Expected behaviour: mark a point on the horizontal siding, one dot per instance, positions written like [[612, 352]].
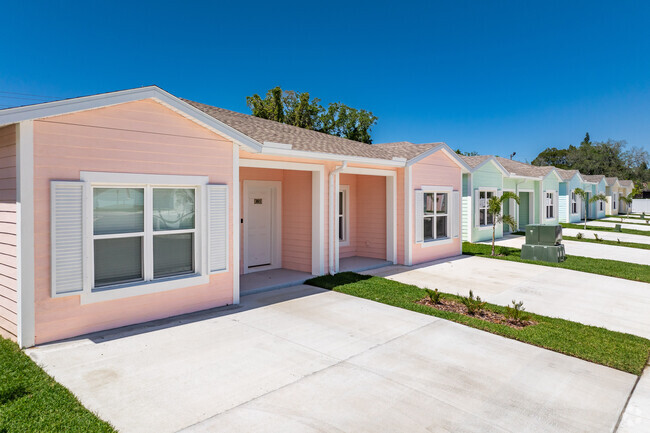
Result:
[[296, 220], [141, 137], [466, 220], [8, 234], [371, 217], [563, 208]]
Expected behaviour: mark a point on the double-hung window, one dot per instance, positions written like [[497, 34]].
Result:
[[550, 205], [485, 217], [142, 233], [436, 215], [574, 203]]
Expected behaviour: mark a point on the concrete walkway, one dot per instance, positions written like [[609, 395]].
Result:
[[587, 249], [301, 359], [613, 303], [625, 220], [637, 413], [610, 236]]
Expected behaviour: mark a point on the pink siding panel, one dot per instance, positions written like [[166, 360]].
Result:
[[8, 234], [138, 137], [435, 170]]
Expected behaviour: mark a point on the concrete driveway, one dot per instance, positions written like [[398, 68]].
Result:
[[586, 249], [613, 303], [306, 360], [609, 236], [600, 223]]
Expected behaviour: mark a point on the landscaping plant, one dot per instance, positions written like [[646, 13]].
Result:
[[584, 196], [434, 295], [495, 208], [473, 304], [516, 312], [579, 235]]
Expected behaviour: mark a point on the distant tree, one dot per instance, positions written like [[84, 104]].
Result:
[[551, 156], [298, 109], [471, 153]]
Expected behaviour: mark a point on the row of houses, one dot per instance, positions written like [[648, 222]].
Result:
[[546, 195], [131, 206]]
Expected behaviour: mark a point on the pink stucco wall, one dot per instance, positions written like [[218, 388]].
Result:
[[435, 170], [8, 234], [137, 137], [295, 214]]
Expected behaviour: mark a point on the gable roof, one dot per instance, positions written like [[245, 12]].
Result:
[[567, 175], [611, 180], [625, 182], [478, 161], [523, 169], [594, 178]]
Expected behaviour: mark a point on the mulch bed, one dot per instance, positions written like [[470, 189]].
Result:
[[487, 315]]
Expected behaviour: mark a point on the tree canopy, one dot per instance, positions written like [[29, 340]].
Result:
[[611, 158], [299, 109]]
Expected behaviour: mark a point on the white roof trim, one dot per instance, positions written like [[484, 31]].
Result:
[[65, 106], [496, 163], [445, 148], [282, 151]]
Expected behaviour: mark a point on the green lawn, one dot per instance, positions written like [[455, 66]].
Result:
[[605, 229], [631, 216], [610, 268], [615, 243], [614, 349], [31, 401]]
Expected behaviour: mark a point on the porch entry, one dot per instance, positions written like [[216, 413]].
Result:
[[524, 210], [262, 225]]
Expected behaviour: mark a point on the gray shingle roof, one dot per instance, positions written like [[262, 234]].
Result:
[[474, 161], [593, 177], [611, 180], [566, 174], [264, 130], [625, 182], [523, 169]]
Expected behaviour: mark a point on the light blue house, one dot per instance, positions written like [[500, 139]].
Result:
[[570, 204], [595, 184]]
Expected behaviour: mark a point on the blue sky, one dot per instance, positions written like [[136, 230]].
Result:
[[494, 77]]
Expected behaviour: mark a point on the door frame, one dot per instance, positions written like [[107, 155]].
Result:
[[531, 206], [511, 207], [276, 223]]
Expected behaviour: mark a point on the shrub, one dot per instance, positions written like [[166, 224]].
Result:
[[579, 235], [473, 304], [618, 240], [434, 295], [596, 237], [517, 311]]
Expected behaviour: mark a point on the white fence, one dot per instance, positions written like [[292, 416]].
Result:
[[641, 205]]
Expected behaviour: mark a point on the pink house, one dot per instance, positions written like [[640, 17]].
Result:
[[131, 206]]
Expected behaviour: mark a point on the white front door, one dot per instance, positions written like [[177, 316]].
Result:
[[261, 236]]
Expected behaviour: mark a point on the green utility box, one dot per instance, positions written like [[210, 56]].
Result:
[[544, 243], [617, 228]]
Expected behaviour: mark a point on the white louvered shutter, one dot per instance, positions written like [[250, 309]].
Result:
[[217, 228], [556, 205], [419, 216], [67, 237], [455, 214], [477, 205]]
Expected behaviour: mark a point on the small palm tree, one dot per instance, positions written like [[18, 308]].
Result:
[[495, 206], [584, 196], [628, 202]]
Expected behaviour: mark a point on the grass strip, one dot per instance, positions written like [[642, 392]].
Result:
[[31, 401], [610, 268], [618, 350], [605, 229], [619, 222], [631, 216], [605, 242]]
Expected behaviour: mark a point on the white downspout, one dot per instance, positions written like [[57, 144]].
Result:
[[334, 239]]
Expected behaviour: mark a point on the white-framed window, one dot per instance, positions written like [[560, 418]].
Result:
[[116, 235], [435, 221], [142, 233], [484, 215], [614, 200], [550, 205], [344, 215], [574, 202]]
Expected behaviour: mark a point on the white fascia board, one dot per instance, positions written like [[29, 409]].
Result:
[[520, 176], [65, 106], [277, 145], [330, 156], [450, 153]]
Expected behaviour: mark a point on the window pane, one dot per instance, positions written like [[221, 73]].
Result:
[[441, 227], [428, 203], [118, 260], [482, 217], [341, 229], [173, 255], [490, 218], [173, 209], [118, 210], [341, 196], [441, 203], [428, 229]]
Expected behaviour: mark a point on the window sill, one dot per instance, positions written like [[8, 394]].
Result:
[[143, 288], [485, 227], [436, 242]]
